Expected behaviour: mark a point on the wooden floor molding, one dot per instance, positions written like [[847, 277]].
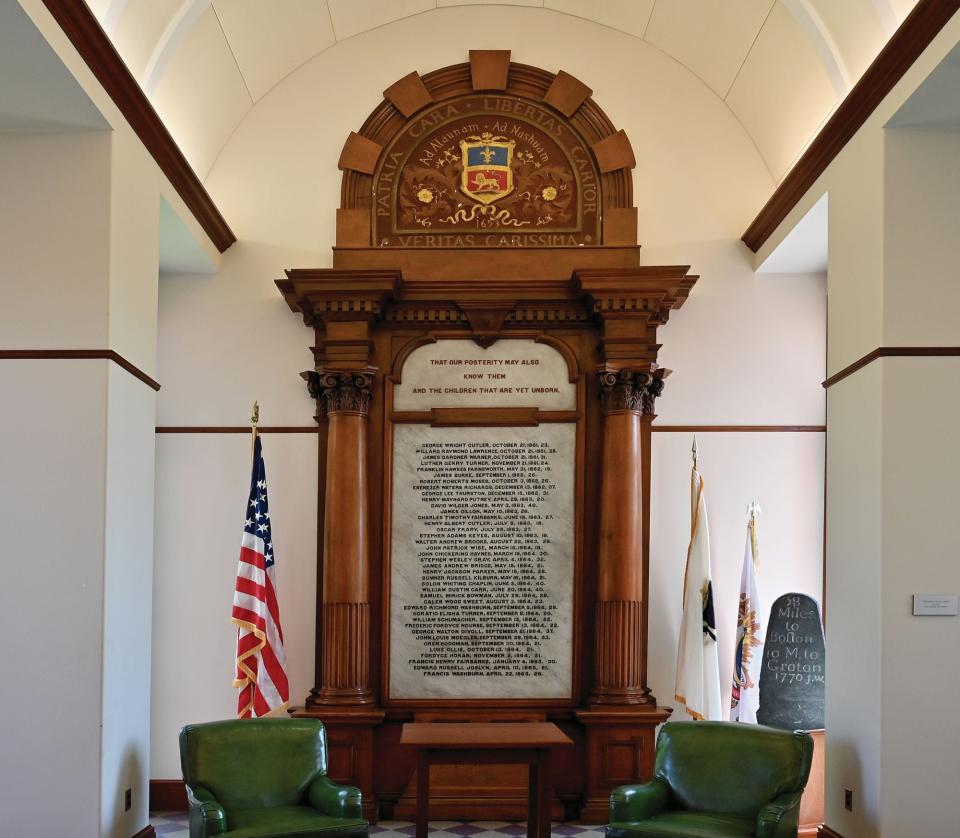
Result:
[[916, 32], [892, 352], [147, 832], [826, 832], [168, 796], [72, 354]]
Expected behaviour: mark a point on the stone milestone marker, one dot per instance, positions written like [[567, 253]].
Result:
[[794, 657]]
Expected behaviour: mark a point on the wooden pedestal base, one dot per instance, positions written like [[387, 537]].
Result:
[[620, 747], [811, 804], [350, 747]]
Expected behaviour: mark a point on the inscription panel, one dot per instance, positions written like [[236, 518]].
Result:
[[482, 562], [792, 692], [510, 373]]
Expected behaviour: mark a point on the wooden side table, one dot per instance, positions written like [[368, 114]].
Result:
[[440, 743]]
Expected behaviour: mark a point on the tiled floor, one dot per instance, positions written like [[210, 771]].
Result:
[[174, 825]]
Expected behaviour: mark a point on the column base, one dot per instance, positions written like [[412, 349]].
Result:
[[340, 697], [349, 747], [621, 696], [620, 747]]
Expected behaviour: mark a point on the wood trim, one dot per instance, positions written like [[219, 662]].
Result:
[[916, 32], [236, 429], [72, 354], [81, 27], [147, 832], [892, 352], [826, 832], [740, 429], [544, 416], [168, 796]]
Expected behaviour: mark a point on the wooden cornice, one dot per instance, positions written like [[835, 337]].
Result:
[[82, 28], [914, 35], [653, 291], [643, 293]]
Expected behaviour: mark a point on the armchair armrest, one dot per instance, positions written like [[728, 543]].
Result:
[[780, 818], [637, 803], [207, 817], [335, 800]]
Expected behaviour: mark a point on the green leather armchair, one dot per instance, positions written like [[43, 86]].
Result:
[[264, 778], [717, 780]]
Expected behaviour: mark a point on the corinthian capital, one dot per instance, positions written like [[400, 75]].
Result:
[[341, 391], [634, 390]]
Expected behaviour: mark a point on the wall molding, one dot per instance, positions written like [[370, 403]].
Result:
[[80, 25], [892, 352], [73, 354], [826, 832], [168, 796], [307, 429], [916, 32], [236, 429], [739, 429], [147, 832]]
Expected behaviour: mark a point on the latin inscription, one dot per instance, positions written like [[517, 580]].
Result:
[[487, 171]]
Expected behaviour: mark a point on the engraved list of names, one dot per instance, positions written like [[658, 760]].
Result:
[[482, 560]]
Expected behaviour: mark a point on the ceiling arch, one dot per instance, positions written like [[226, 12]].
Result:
[[781, 66]]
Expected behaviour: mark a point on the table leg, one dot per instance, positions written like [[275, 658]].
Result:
[[423, 792], [533, 802], [543, 793]]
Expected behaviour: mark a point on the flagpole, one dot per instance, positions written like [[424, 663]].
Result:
[[753, 511], [254, 420]]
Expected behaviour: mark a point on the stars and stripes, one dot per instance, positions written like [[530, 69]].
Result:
[[261, 662]]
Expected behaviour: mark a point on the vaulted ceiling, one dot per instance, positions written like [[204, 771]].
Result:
[[781, 66]]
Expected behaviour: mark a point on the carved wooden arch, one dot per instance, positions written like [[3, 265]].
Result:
[[488, 71]]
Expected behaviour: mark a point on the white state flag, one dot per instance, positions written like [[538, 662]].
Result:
[[745, 696], [698, 669]]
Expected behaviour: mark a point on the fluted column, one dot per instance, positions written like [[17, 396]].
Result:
[[345, 607], [619, 648]]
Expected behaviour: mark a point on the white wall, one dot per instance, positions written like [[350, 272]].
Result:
[[745, 350], [202, 484], [127, 612], [783, 472], [78, 234], [891, 283], [854, 586], [920, 758], [53, 450]]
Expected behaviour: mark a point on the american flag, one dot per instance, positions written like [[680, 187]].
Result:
[[261, 662]]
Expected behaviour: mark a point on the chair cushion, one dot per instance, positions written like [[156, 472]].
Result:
[[728, 767], [278, 821], [685, 825], [254, 763]]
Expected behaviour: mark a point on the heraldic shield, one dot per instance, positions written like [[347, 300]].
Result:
[[487, 175]]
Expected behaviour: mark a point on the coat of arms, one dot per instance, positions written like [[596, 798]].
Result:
[[487, 174]]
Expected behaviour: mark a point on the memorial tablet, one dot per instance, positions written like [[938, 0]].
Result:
[[794, 657], [482, 529]]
